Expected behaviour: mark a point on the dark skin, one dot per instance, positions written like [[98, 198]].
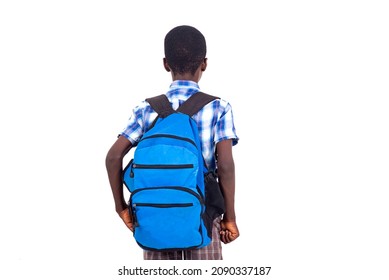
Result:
[[225, 164]]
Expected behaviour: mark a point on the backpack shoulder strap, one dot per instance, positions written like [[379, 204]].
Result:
[[161, 105], [194, 103]]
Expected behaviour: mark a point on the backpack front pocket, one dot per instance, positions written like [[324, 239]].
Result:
[[164, 174], [161, 218]]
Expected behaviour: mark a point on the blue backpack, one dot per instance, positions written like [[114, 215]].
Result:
[[167, 178]]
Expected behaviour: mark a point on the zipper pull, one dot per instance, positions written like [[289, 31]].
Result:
[[132, 170], [135, 221]]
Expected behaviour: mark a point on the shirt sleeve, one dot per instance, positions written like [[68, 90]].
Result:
[[225, 127], [133, 131]]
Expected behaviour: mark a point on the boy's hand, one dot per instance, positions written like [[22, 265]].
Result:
[[229, 231], [127, 219]]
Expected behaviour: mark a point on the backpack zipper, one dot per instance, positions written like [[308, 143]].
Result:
[[199, 196], [170, 136], [158, 166], [161, 166], [162, 205]]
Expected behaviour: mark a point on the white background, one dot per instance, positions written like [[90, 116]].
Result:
[[308, 83]]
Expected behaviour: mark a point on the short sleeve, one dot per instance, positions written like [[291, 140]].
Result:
[[225, 127], [133, 131]]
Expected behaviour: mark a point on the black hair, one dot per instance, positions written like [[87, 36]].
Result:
[[185, 49]]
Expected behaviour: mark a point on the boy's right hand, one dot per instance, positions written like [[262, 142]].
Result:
[[127, 219]]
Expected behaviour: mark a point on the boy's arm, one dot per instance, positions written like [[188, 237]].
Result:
[[226, 173], [114, 165]]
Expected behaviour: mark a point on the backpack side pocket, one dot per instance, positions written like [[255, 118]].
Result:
[[214, 200]]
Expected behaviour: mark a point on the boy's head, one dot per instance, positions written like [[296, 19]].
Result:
[[185, 49]]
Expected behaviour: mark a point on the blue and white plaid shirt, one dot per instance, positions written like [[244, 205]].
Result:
[[215, 121]]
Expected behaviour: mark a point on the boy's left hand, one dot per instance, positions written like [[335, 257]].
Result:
[[229, 231]]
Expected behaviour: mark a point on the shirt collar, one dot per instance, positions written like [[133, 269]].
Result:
[[184, 84]]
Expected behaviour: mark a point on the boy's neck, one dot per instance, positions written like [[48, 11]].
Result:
[[186, 77]]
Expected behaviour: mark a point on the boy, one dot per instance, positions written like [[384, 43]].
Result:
[[185, 58]]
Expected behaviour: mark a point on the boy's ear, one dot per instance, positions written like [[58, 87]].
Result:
[[166, 65], [204, 64]]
